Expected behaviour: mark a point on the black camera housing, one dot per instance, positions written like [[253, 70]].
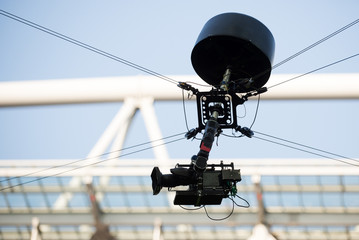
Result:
[[206, 188]]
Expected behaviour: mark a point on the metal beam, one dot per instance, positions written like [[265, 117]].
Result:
[[283, 216], [101, 188], [114, 89], [100, 147], [35, 230], [127, 167]]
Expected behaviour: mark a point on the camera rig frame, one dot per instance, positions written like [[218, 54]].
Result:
[[234, 54], [207, 185]]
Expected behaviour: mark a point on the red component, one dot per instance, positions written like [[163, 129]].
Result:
[[204, 148], [92, 198]]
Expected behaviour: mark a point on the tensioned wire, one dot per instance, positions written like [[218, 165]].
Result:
[[143, 69], [302, 147], [316, 43], [308, 48], [90, 164], [86, 46], [146, 70], [131, 64], [315, 70], [156, 74]]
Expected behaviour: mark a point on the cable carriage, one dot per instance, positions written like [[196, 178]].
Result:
[[233, 54]]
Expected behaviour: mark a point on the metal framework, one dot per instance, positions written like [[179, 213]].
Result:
[[290, 199]]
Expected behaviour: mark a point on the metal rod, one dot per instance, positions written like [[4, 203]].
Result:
[[226, 77]]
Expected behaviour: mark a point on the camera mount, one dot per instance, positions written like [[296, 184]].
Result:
[[207, 185], [234, 54]]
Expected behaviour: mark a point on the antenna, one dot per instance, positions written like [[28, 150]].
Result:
[[234, 54]]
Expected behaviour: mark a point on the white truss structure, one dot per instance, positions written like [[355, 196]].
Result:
[[166, 221]]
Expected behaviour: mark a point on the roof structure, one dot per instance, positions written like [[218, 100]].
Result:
[[73, 198]]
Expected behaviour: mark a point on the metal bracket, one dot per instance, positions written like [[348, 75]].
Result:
[[227, 117]]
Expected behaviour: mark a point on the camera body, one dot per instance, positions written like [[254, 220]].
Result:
[[218, 181], [211, 188]]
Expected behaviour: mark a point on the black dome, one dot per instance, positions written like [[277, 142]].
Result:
[[239, 42]]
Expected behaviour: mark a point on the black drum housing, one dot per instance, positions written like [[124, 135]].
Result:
[[237, 42]]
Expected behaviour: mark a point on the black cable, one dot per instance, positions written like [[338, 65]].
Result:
[[243, 206], [307, 151], [308, 48], [88, 158], [233, 135], [191, 209], [315, 70], [184, 110], [316, 43], [86, 46], [220, 219], [198, 84], [255, 115], [88, 165], [306, 146]]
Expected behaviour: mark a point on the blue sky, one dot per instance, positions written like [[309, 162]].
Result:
[[160, 36]]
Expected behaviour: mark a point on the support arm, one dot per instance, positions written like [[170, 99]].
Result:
[[200, 160]]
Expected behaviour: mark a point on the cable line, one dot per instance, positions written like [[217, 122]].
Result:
[[321, 154], [86, 46], [91, 164], [316, 43], [315, 70], [94, 157], [256, 113], [308, 48]]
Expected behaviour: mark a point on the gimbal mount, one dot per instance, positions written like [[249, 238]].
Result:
[[234, 54], [207, 185]]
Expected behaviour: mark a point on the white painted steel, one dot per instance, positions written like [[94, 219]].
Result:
[[243, 162], [261, 232], [127, 167], [113, 89], [35, 230], [154, 131], [285, 216], [99, 149], [139, 93]]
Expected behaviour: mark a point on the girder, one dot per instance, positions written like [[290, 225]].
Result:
[[121, 203], [174, 216], [113, 89]]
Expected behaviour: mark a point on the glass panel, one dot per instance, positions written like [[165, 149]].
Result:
[[137, 200], [287, 180], [290, 199], [330, 180], [29, 181], [16, 200], [311, 199], [79, 200], [116, 199], [271, 199], [36, 200], [160, 200], [332, 199], [52, 181], [308, 180], [351, 199], [52, 197], [2, 201], [350, 180], [131, 180], [269, 180]]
